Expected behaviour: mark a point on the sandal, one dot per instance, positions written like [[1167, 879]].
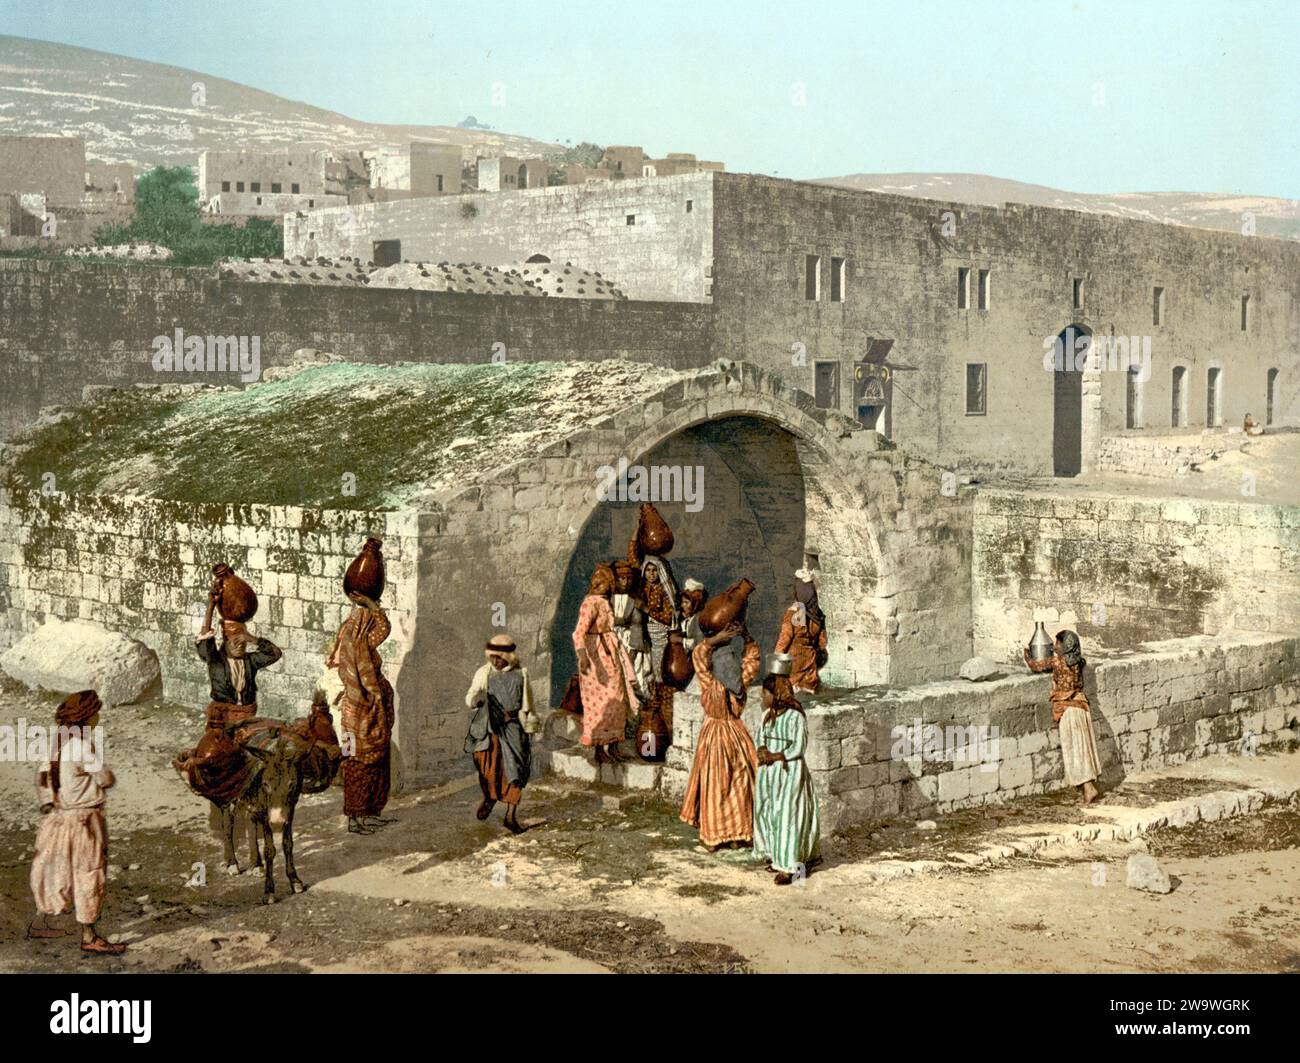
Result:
[[485, 809], [102, 947]]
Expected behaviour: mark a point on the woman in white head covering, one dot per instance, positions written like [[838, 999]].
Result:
[[803, 635]]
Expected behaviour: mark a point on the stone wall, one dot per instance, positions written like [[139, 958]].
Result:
[[143, 567], [1130, 569], [877, 754], [902, 259], [1162, 456], [67, 324], [664, 251]]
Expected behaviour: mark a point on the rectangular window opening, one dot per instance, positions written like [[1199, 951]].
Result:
[[976, 392], [963, 288], [1078, 293], [631, 219], [837, 280], [1157, 306], [1245, 312], [985, 288], [812, 277], [826, 383]]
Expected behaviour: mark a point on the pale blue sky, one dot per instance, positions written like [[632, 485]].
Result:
[[1135, 95]]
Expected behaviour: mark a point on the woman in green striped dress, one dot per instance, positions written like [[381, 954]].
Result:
[[786, 827]]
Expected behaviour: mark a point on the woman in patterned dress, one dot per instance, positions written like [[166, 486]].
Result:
[[1072, 714], [605, 674]]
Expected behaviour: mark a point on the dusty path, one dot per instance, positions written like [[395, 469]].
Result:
[[606, 883]]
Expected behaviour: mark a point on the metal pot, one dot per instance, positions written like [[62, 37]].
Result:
[[1041, 645]]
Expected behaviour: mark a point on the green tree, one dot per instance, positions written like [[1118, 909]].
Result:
[[167, 213]]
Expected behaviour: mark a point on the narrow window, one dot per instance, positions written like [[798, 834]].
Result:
[[311, 202], [439, 182], [812, 277], [1157, 306], [690, 205], [1178, 415], [294, 188], [275, 186], [1245, 312], [1270, 405], [1213, 407], [963, 288], [631, 219], [225, 186], [259, 201], [976, 394], [837, 280], [1078, 293], [826, 385], [985, 288], [1132, 398]]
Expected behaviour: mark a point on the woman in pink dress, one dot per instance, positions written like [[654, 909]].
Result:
[[605, 674]]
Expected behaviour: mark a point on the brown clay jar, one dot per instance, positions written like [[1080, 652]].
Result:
[[653, 535], [722, 609], [366, 573], [236, 600], [678, 668]]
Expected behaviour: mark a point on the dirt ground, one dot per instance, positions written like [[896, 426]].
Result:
[[604, 882]]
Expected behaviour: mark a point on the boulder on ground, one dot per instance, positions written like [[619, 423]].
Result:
[[1145, 873], [64, 656], [979, 668]]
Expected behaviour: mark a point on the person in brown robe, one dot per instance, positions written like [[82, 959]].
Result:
[[658, 602], [367, 714], [720, 791], [803, 635]]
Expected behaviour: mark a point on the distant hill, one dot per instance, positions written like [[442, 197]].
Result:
[[1205, 210], [129, 110]]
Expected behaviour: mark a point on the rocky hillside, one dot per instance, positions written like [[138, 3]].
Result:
[[1205, 210], [129, 110]]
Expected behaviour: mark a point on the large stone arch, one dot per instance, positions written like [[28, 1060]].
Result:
[[516, 549]]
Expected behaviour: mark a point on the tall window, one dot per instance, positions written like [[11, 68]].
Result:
[[812, 277], [439, 182], [826, 385], [837, 280], [1157, 305], [1213, 400], [985, 285], [1178, 389], [963, 288], [1132, 398], [1078, 293], [1245, 312], [976, 388], [1270, 404]]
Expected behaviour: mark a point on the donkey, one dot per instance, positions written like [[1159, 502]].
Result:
[[302, 757]]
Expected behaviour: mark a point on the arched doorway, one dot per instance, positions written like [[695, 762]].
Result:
[[523, 176], [1073, 348], [748, 519]]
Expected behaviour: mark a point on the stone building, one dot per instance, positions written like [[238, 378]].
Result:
[[424, 169], [678, 162], [508, 174], [54, 196], [266, 184], [938, 324]]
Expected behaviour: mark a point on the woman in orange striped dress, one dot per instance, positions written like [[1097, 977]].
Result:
[[720, 791]]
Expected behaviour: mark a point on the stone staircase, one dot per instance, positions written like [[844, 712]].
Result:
[[559, 752]]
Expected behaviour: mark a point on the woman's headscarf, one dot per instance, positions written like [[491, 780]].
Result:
[[805, 596], [782, 691], [75, 711], [1071, 652], [602, 580]]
